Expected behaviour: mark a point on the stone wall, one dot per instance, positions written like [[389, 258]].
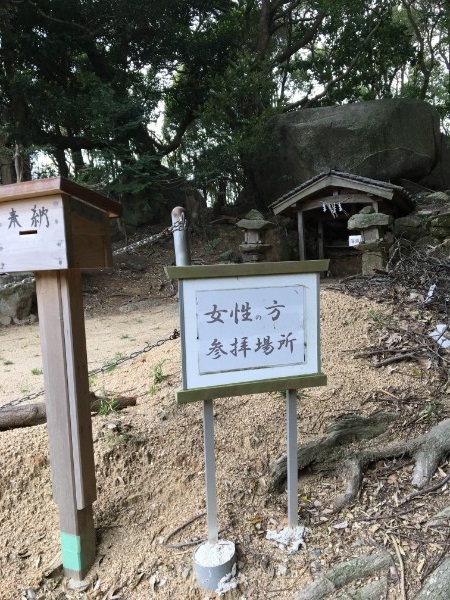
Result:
[[17, 297], [428, 226]]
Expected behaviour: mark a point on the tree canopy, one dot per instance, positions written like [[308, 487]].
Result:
[[112, 90]]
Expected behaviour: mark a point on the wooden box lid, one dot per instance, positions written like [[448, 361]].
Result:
[[59, 185]]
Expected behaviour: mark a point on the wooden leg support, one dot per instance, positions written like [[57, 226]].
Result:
[[63, 341], [78, 550]]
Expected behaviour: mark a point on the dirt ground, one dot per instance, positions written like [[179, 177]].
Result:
[[149, 514]]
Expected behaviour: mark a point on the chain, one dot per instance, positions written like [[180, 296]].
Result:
[[104, 369], [178, 226], [152, 238], [112, 365]]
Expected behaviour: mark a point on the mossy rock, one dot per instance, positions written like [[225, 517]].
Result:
[[409, 233], [442, 220], [364, 220], [440, 232], [410, 221]]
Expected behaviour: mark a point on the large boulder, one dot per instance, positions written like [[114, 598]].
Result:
[[380, 139], [439, 178]]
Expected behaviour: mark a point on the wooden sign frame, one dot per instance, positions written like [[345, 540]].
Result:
[[257, 280]]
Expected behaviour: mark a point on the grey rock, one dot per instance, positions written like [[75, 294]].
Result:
[[16, 296], [367, 210], [409, 233], [141, 305], [437, 197], [364, 221], [230, 256], [426, 213], [381, 139], [27, 321], [442, 220], [440, 232], [439, 178], [409, 221]]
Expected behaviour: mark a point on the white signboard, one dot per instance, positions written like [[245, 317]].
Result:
[[252, 328], [32, 235], [239, 329], [354, 240]]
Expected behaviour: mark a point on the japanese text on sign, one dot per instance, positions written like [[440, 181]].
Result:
[[251, 328], [38, 218]]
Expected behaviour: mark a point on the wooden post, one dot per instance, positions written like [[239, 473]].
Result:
[[301, 235], [63, 341], [320, 238], [55, 228]]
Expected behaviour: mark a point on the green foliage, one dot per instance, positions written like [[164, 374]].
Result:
[[108, 405], [430, 413], [36, 371], [213, 244], [87, 83], [379, 318], [157, 377], [111, 365]]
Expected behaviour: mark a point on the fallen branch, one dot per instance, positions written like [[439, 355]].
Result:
[[394, 359], [27, 415], [180, 528], [401, 566], [428, 490], [368, 353]]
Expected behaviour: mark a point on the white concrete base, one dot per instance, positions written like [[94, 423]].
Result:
[[212, 562]]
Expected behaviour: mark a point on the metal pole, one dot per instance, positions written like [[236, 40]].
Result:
[[183, 258], [292, 457], [180, 237], [210, 472]]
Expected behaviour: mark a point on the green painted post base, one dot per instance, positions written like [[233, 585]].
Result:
[[78, 553]]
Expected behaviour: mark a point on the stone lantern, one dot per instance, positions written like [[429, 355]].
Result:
[[254, 248], [375, 238]]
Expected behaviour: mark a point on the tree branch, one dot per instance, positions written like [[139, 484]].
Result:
[[304, 41], [306, 101]]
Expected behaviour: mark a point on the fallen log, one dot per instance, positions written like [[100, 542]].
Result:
[[27, 415]]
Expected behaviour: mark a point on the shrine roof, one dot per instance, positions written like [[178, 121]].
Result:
[[325, 183]]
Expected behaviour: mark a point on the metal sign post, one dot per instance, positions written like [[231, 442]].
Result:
[[292, 457], [245, 329], [213, 560]]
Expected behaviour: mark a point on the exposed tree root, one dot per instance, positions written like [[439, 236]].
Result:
[[331, 453], [437, 585], [344, 573]]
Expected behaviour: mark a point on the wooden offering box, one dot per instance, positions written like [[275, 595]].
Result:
[[54, 224]]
